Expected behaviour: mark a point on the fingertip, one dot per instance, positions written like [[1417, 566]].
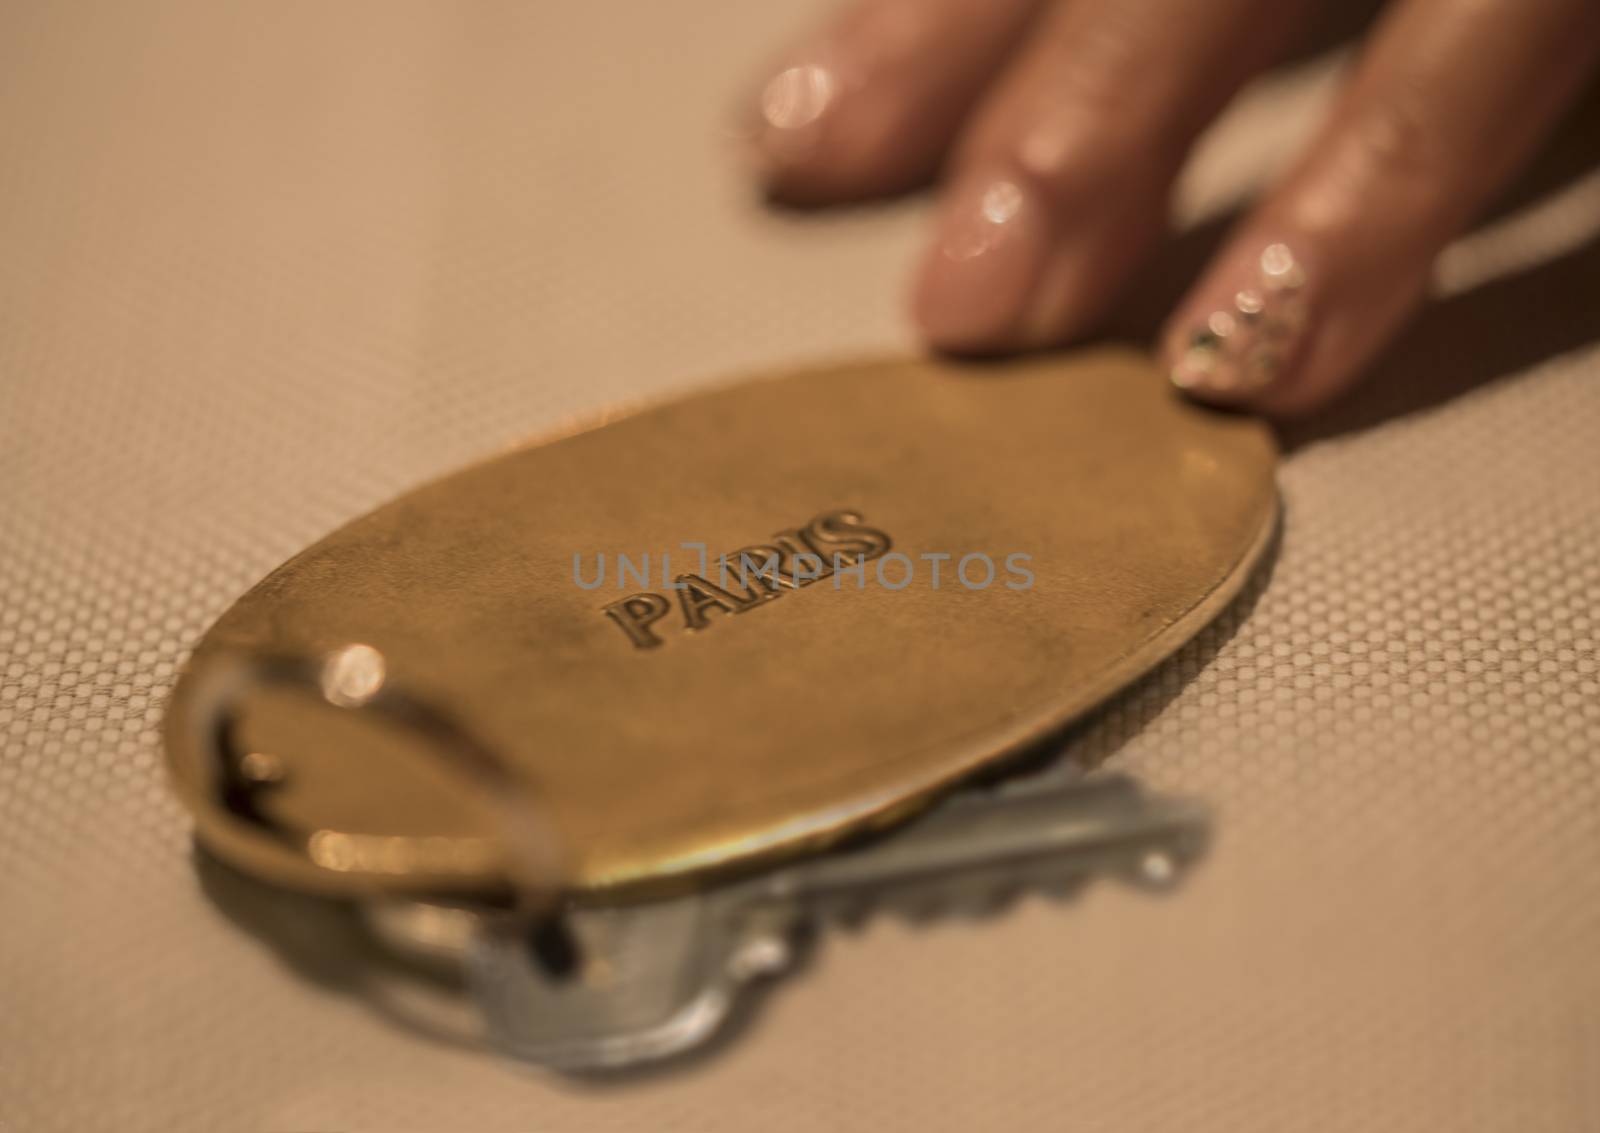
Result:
[[785, 139], [868, 107], [1239, 340], [984, 260]]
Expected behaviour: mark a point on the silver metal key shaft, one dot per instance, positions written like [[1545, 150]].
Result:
[[661, 978]]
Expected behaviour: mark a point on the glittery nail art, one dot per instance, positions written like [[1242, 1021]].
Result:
[[1244, 346]]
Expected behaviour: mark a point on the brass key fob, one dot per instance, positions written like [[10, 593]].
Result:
[[604, 723]]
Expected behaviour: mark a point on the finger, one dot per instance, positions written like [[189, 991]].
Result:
[[869, 106], [1450, 99], [1062, 181]]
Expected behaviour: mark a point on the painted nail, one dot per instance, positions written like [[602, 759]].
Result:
[[986, 257], [1244, 342], [792, 113]]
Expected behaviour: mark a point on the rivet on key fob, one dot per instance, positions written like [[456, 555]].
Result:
[[607, 719]]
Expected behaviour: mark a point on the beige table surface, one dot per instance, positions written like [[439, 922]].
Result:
[[263, 266]]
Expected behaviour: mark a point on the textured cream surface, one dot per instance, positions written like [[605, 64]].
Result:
[[262, 267]]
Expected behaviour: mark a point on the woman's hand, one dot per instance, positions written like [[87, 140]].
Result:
[[1062, 124]]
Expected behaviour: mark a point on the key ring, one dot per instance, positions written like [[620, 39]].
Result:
[[354, 677]]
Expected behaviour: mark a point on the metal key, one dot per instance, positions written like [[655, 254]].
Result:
[[659, 979]]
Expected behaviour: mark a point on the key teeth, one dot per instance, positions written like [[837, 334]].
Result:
[[1154, 869]]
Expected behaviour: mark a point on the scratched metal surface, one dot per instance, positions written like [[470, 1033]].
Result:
[[264, 266]]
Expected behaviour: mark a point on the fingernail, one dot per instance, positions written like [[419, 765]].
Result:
[[792, 111], [987, 255], [1247, 333]]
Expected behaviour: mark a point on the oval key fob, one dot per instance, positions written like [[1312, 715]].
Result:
[[715, 632]]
